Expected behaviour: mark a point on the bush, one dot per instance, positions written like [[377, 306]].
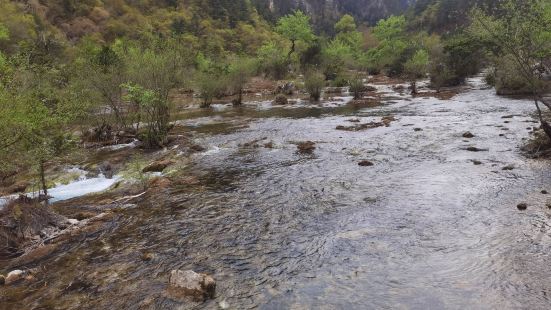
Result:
[[509, 80], [357, 87], [490, 77], [273, 61], [314, 83], [209, 86], [340, 81]]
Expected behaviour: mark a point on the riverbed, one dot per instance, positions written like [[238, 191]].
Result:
[[431, 225]]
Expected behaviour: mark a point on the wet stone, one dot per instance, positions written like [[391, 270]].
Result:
[[475, 149], [281, 100], [476, 162], [306, 147], [468, 135], [365, 163], [2, 279], [14, 276], [544, 192], [509, 168], [188, 283], [417, 129], [522, 206], [157, 166]]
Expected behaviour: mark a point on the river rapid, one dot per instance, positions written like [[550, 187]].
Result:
[[431, 225]]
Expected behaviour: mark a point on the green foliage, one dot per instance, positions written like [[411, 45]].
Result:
[[295, 27], [154, 109], [392, 44], [346, 24], [519, 38], [273, 61], [314, 82], [357, 86], [416, 67], [241, 69]]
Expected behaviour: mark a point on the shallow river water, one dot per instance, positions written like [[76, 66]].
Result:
[[424, 228]]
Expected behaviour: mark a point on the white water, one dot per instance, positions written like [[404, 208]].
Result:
[[72, 190]]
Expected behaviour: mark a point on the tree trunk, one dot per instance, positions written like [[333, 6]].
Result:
[[292, 49], [43, 181], [414, 88], [544, 124]]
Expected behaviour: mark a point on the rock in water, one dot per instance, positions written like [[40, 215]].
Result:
[[157, 166], [468, 135], [14, 276], [281, 100], [522, 206], [365, 163], [306, 147], [2, 279], [198, 286]]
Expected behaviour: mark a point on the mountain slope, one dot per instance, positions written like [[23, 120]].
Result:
[[324, 13]]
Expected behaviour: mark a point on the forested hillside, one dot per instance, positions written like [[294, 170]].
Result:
[[325, 13]]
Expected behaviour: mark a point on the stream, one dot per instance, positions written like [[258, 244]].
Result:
[[423, 228]]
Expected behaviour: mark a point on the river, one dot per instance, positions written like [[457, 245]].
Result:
[[423, 228]]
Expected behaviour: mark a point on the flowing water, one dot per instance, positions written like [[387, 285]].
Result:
[[424, 228]]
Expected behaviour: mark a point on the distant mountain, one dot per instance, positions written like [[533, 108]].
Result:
[[324, 13]]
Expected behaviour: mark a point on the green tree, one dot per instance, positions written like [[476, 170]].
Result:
[[416, 67], [522, 31], [392, 43], [240, 70], [295, 27]]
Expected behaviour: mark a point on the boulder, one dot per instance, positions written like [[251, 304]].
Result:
[[365, 163], [157, 166], [281, 100], [2, 279], [475, 149], [509, 168], [286, 89], [14, 276], [522, 206], [306, 147], [188, 283], [468, 135]]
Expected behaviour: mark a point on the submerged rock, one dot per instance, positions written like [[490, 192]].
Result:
[[2, 279], [522, 206], [417, 129], [306, 147], [544, 192], [468, 135], [14, 276], [475, 149], [365, 163], [188, 283], [281, 100], [157, 166], [509, 167], [476, 162]]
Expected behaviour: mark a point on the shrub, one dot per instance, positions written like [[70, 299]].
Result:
[[209, 86], [357, 87], [314, 83]]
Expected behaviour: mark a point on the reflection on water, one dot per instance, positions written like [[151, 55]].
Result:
[[424, 228]]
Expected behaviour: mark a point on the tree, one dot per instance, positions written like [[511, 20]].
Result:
[[346, 24], [314, 82], [416, 67], [240, 71], [521, 31], [392, 43], [295, 27]]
